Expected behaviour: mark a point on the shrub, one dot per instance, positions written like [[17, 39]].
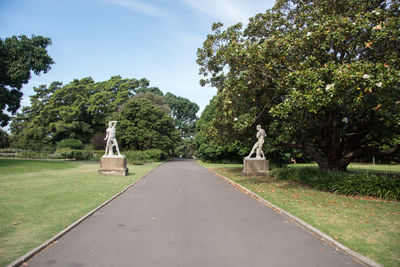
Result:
[[70, 143], [232, 152], [32, 155], [32, 145], [137, 156], [67, 153], [351, 184]]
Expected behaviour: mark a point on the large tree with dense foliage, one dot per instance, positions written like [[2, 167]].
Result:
[[142, 125], [322, 76], [19, 55], [184, 113], [155, 98], [154, 90], [208, 147], [181, 109]]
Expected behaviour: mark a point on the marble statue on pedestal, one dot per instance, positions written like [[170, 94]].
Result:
[[258, 145], [258, 166], [111, 164]]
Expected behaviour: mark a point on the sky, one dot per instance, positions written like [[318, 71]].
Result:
[[153, 39]]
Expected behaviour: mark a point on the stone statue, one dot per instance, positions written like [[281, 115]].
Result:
[[258, 145], [111, 141], [111, 164]]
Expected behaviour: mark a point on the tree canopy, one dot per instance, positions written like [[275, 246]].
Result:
[[155, 98], [184, 112], [142, 125], [19, 55], [208, 147], [321, 76], [154, 90]]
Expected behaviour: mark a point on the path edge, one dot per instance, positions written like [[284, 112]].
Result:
[[42, 246], [309, 227]]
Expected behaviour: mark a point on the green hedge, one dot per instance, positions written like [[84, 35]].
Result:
[[351, 184], [70, 143], [138, 157], [67, 153], [26, 154]]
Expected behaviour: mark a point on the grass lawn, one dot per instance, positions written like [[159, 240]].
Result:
[[39, 198], [368, 226]]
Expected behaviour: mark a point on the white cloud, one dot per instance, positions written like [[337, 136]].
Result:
[[230, 11], [146, 9]]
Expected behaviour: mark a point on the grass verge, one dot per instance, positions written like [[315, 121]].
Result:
[[39, 198], [369, 226]]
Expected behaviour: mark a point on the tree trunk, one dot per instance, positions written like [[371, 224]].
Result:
[[337, 165], [327, 163]]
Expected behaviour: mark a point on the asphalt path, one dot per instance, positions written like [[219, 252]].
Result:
[[183, 215]]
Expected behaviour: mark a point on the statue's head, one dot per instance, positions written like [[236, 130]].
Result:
[[109, 123], [259, 127]]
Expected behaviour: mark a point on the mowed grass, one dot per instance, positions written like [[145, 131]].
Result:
[[39, 198], [368, 226], [19, 166]]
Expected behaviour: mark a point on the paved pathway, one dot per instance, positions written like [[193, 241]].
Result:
[[182, 215]]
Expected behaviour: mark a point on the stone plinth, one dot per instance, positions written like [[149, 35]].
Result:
[[113, 165], [255, 167]]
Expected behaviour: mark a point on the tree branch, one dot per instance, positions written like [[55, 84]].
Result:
[[373, 151]]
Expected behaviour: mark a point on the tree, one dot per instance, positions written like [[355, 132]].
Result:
[[142, 126], [208, 147], [323, 76], [154, 90], [156, 99], [184, 113], [19, 56], [186, 148], [181, 109]]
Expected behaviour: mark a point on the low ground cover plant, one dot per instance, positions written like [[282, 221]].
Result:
[[357, 183]]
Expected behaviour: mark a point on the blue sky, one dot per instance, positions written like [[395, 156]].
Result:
[[154, 39]]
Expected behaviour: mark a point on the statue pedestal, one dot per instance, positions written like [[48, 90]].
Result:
[[113, 165], [255, 167]]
